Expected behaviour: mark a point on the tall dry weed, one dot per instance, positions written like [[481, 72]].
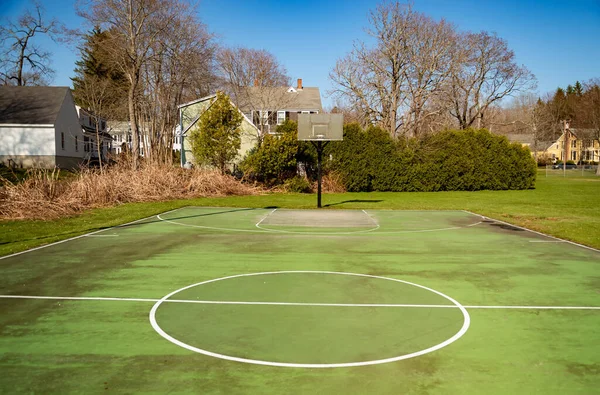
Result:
[[331, 183], [43, 196]]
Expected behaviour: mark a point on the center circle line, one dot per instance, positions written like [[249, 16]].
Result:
[[456, 336]]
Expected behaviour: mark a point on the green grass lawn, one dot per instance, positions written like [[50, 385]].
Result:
[[568, 208]]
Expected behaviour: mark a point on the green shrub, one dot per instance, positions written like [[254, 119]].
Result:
[[274, 160], [297, 184], [467, 160], [366, 160]]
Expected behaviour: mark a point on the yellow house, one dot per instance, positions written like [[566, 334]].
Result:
[[189, 114], [577, 145]]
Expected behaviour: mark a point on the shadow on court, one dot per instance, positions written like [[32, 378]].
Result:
[[354, 201]]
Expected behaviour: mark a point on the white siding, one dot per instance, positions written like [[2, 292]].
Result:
[[67, 122], [27, 140]]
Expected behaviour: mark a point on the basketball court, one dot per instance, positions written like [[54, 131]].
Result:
[[269, 300]]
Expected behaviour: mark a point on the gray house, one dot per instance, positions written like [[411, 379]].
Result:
[[40, 127], [268, 107]]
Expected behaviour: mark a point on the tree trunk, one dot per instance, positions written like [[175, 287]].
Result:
[[135, 141], [99, 146]]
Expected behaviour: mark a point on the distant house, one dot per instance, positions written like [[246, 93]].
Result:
[[40, 127], [581, 145], [189, 114], [537, 147], [122, 139], [268, 107], [94, 136], [578, 145]]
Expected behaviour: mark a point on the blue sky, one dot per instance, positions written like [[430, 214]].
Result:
[[559, 41]]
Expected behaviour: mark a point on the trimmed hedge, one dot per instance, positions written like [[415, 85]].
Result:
[[453, 160]]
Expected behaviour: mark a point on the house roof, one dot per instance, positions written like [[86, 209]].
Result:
[[587, 134], [280, 98], [520, 138], [197, 101], [197, 116], [524, 138], [31, 105]]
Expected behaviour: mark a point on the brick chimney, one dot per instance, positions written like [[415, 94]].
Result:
[[299, 83]]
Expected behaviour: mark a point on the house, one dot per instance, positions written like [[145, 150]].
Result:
[[268, 107], [95, 135], [537, 147], [582, 145], [189, 114], [122, 139], [578, 145], [40, 127]]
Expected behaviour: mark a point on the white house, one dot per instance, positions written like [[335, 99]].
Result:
[[122, 137], [95, 136], [39, 126]]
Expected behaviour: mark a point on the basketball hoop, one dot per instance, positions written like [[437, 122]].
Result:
[[320, 129]]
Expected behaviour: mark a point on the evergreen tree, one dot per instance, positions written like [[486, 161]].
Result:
[[217, 139], [94, 68]]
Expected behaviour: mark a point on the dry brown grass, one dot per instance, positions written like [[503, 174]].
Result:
[[331, 183], [43, 196]]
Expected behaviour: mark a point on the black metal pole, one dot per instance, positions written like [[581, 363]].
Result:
[[319, 154]]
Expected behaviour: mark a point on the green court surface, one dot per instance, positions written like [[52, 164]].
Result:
[[239, 301]]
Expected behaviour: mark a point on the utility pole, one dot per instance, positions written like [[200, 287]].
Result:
[[565, 145]]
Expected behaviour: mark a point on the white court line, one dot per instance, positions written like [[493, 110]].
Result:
[[536, 232], [314, 233], [547, 241], [101, 235], [234, 302], [475, 224], [263, 218], [80, 236], [209, 227], [359, 232]]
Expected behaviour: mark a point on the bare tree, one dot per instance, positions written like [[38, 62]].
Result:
[[179, 69], [591, 108], [97, 93], [22, 61], [394, 82], [244, 67], [484, 72], [257, 84], [136, 27]]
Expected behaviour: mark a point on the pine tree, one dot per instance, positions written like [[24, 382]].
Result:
[[217, 139], [95, 64]]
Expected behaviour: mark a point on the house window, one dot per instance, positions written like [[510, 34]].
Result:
[[574, 144], [76, 143], [264, 115], [573, 155], [86, 144], [62, 140], [280, 117]]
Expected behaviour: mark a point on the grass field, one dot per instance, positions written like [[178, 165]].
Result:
[[271, 300]]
